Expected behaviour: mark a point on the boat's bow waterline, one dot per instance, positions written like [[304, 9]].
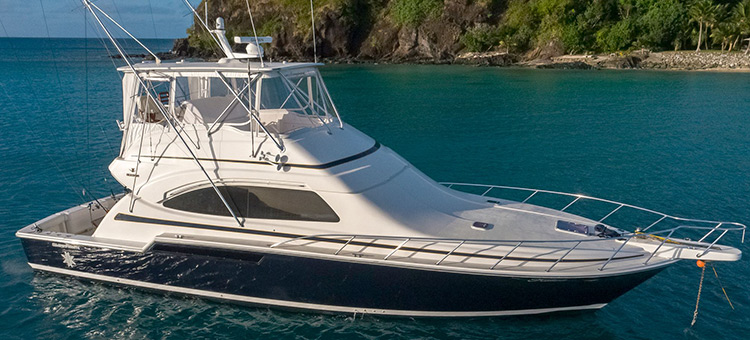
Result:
[[244, 184]]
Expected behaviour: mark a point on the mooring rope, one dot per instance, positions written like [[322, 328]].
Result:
[[722, 287]]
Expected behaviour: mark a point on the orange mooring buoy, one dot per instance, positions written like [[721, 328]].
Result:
[[700, 264]]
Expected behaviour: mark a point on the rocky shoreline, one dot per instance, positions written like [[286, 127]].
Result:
[[677, 60], [642, 59]]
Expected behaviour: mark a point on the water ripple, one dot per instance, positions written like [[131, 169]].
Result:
[[641, 137]]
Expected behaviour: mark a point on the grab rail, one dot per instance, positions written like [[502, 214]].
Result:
[[449, 246], [577, 198], [372, 241]]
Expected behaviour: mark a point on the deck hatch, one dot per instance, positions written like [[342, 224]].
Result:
[[574, 228]]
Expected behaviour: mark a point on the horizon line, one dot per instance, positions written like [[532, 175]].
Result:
[[95, 38]]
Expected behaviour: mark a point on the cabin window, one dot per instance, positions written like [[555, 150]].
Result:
[[149, 107], [206, 100], [191, 88], [217, 88], [256, 202], [275, 94], [300, 94]]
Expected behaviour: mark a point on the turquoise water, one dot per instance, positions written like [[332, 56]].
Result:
[[671, 141]]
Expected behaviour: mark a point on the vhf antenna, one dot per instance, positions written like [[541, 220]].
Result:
[[312, 20]]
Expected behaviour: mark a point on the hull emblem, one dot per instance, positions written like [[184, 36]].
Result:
[[68, 260]]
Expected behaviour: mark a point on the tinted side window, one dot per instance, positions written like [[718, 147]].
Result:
[[256, 202]]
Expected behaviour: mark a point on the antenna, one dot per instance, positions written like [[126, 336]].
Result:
[[315, 45], [222, 39], [257, 43]]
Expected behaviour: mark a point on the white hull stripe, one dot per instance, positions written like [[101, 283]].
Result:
[[301, 305]]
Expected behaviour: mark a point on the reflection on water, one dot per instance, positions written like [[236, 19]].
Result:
[[75, 308]]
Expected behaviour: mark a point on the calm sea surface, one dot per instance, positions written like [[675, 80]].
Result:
[[677, 142]]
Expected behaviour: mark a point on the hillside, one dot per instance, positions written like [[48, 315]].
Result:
[[437, 31]]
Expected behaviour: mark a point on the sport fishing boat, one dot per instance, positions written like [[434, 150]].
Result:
[[245, 185]]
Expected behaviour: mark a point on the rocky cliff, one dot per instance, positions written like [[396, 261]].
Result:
[[367, 30], [414, 31]]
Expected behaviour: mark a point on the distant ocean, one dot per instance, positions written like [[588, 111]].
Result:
[[677, 142]]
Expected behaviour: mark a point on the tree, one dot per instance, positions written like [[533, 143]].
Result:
[[718, 16], [741, 18], [616, 37], [662, 24], [727, 33], [702, 12], [519, 25]]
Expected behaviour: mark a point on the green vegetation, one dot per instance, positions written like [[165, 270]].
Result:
[[615, 25], [301, 10], [519, 26], [200, 40], [413, 12], [480, 38], [269, 26]]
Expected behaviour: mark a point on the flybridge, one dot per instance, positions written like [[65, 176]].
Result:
[[268, 103]]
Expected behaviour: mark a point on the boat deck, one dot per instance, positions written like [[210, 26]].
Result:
[[577, 256]]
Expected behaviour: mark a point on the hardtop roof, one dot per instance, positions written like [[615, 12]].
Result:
[[225, 65]]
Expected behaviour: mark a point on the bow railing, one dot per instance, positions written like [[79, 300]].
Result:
[[651, 221], [494, 252], [657, 227]]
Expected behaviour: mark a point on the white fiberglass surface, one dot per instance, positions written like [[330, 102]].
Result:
[[421, 206]]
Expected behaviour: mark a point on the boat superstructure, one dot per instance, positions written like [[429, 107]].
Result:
[[244, 184]]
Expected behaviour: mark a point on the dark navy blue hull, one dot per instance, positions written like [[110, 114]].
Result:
[[309, 283]]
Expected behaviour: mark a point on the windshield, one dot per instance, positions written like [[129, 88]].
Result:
[[281, 101]]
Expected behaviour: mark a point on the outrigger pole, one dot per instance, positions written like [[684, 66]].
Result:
[[312, 22], [255, 34], [158, 61], [151, 96], [205, 24]]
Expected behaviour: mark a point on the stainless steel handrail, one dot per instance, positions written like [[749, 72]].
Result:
[[707, 246], [579, 197], [347, 239], [562, 257]]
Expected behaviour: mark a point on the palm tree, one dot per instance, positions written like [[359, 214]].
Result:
[[720, 13], [703, 12], [723, 30], [741, 18], [727, 33]]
